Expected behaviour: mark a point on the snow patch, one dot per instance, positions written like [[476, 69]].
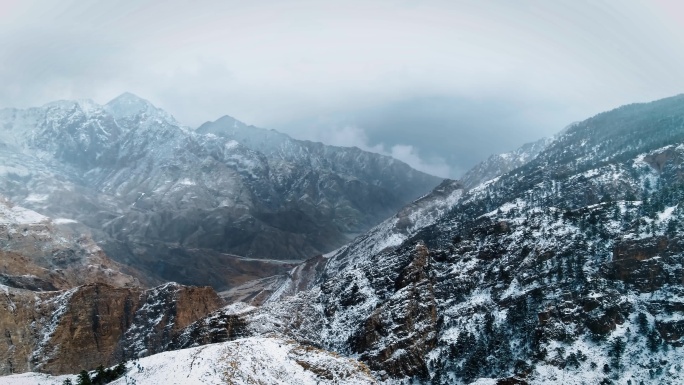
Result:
[[63, 221]]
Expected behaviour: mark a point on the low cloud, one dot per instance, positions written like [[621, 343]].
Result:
[[353, 136], [408, 154], [439, 85]]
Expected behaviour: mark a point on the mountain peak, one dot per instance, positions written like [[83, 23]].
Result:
[[129, 103], [128, 97], [129, 106], [226, 126]]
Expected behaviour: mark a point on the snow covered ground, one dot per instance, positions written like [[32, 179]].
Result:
[[16, 215], [243, 361]]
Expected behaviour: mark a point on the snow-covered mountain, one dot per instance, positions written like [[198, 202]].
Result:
[[565, 269], [218, 205], [499, 164]]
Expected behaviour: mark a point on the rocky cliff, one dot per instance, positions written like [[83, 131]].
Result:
[[97, 324]]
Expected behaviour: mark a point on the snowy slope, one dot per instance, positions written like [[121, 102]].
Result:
[[16, 215], [500, 164], [566, 269], [244, 361]]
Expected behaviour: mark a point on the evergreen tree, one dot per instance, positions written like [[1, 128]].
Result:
[[84, 378], [642, 322], [617, 349], [101, 376], [653, 341], [120, 369]]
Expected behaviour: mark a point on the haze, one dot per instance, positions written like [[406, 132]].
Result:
[[440, 85]]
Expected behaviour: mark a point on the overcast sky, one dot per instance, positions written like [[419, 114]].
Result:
[[438, 84]]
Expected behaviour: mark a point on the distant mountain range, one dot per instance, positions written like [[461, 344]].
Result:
[[216, 205]]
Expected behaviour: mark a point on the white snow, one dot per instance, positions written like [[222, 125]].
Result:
[[16, 215], [62, 221], [244, 361], [485, 381], [186, 182], [36, 198], [666, 214], [231, 144], [237, 308], [392, 240], [35, 379]]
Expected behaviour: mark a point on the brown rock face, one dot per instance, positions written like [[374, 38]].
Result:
[[398, 335], [96, 324], [642, 263], [89, 331], [22, 313]]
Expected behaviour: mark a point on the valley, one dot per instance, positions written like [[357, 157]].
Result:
[[560, 261]]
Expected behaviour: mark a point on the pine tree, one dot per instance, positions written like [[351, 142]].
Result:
[[101, 376], [617, 349], [84, 378], [120, 369], [653, 341], [642, 322]]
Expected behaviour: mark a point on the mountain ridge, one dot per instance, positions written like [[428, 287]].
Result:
[[150, 190], [569, 266]]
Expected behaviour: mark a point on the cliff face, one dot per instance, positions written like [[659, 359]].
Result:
[[95, 324], [21, 313], [408, 319]]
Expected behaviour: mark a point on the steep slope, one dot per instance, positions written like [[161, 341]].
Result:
[[87, 326], [568, 268], [390, 233], [321, 163], [499, 164], [195, 206], [245, 361], [40, 253]]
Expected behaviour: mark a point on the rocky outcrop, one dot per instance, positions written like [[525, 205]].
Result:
[[223, 325], [95, 324], [22, 314], [397, 336], [647, 264]]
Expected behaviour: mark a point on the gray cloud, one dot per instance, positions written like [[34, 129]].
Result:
[[441, 84], [447, 135]]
